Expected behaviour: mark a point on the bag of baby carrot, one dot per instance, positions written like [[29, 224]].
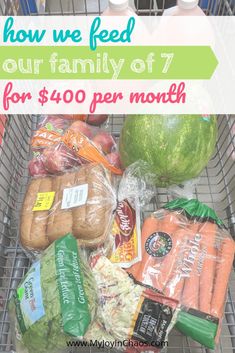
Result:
[[187, 254]]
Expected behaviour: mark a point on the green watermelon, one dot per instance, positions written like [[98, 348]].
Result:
[[176, 147]]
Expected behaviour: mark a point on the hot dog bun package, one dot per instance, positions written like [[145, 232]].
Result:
[[187, 255], [128, 312], [55, 302], [80, 202]]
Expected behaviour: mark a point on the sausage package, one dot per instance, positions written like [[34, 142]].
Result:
[[56, 300], [187, 254], [128, 312], [80, 202]]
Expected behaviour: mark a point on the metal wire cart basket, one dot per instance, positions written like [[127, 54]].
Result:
[[216, 187]]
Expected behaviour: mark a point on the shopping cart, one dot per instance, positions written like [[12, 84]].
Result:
[[216, 186]]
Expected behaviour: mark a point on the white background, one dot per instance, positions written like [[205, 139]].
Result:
[[216, 95]]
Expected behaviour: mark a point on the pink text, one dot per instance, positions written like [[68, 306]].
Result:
[[13, 97], [175, 94], [108, 98]]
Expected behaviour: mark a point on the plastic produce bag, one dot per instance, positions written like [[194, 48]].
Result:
[[127, 311], [49, 131], [93, 145], [92, 119], [187, 254], [80, 202], [55, 302], [53, 160], [60, 144]]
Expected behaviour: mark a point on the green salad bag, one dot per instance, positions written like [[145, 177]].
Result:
[[55, 302]]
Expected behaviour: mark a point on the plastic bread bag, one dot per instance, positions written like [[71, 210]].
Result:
[[136, 189], [187, 254], [55, 302], [81, 202], [128, 311]]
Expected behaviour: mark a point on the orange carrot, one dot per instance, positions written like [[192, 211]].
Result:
[[171, 264], [223, 270], [174, 287], [172, 220], [190, 296], [208, 233], [155, 267], [149, 227]]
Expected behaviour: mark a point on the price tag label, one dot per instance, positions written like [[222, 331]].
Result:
[[74, 197], [44, 201]]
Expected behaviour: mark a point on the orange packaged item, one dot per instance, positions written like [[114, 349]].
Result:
[[49, 131], [187, 255], [127, 235]]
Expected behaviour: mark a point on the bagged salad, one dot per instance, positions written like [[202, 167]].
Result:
[[128, 312], [187, 254], [55, 302]]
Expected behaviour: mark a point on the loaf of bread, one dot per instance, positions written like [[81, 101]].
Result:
[[88, 217]]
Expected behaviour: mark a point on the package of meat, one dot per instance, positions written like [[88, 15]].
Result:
[[187, 254], [80, 202]]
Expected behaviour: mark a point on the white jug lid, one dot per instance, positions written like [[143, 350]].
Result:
[[187, 4], [118, 5]]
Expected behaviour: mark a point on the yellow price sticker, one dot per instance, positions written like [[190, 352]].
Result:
[[44, 201]]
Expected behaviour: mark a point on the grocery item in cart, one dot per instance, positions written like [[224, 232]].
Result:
[[50, 156], [187, 254], [118, 8], [126, 235], [49, 131], [176, 147], [135, 190], [231, 142], [94, 148], [81, 202], [92, 119], [61, 143], [185, 8], [56, 300], [52, 160], [127, 311]]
